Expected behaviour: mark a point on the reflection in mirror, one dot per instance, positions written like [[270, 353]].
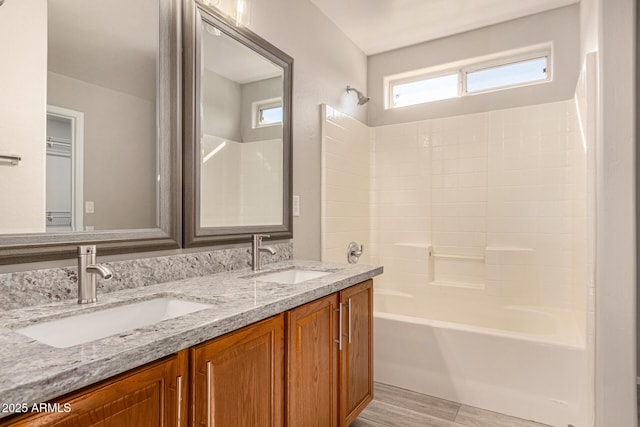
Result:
[[90, 104], [99, 141], [241, 170], [104, 71], [237, 132]]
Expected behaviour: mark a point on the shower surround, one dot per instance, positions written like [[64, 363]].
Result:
[[494, 203], [481, 224]]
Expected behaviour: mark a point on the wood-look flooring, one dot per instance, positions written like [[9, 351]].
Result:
[[396, 407]]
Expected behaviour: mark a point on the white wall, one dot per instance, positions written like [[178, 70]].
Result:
[[616, 217], [119, 152], [587, 104], [589, 26], [561, 26], [23, 31]]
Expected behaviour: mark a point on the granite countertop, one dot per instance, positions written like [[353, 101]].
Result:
[[33, 372]]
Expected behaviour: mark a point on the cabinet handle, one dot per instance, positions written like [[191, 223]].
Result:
[[209, 394], [349, 331], [339, 340], [179, 385]]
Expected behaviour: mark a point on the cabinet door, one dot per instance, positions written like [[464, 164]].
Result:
[[151, 396], [237, 380], [312, 364], [356, 371]]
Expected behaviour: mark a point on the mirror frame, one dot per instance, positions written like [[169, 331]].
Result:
[[36, 247], [194, 235]]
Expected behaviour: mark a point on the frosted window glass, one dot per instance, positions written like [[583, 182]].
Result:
[[427, 90], [517, 73]]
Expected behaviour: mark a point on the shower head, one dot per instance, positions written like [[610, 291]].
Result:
[[362, 99]]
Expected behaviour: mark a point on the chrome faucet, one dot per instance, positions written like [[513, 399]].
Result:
[[257, 248], [87, 270]]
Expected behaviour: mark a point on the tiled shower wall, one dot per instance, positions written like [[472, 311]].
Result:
[[494, 202], [537, 184], [495, 197], [346, 186], [252, 194]]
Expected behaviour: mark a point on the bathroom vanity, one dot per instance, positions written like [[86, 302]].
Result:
[[287, 346], [273, 349]]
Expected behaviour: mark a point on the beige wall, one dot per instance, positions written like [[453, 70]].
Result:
[[561, 26], [119, 152], [253, 92], [23, 49], [221, 106], [325, 62]]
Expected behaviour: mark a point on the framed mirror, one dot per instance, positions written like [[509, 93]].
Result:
[[95, 123], [237, 152]]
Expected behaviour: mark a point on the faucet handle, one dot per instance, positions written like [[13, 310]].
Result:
[[354, 253]]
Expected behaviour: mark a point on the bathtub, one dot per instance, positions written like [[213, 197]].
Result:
[[527, 362]]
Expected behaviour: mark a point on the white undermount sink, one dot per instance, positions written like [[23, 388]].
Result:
[[83, 328], [293, 276]]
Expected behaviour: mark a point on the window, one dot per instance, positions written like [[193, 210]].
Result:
[[270, 115], [426, 90], [531, 65], [509, 75], [267, 112]]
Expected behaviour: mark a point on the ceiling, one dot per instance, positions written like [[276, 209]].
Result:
[[112, 43], [241, 64], [377, 26]]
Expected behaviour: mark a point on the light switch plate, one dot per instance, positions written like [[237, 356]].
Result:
[[89, 207], [296, 206]]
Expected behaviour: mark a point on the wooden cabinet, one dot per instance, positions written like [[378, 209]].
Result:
[[151, 396], [237, 380], [312, 364], [356, 364], [329, 383]]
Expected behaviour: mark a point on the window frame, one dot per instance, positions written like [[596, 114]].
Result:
[[467, 66]]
